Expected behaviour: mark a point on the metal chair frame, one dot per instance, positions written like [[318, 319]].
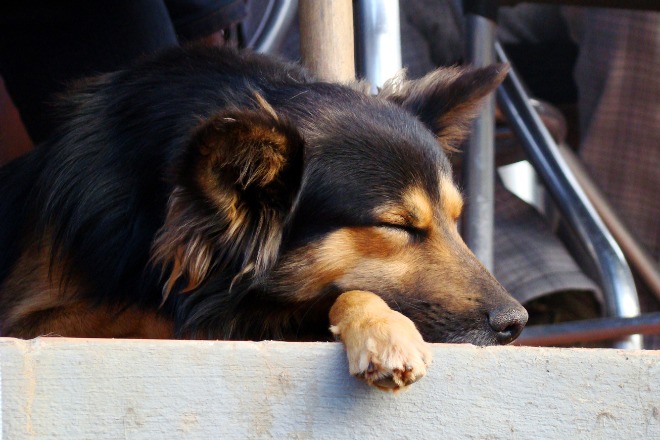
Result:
[[380, 58]]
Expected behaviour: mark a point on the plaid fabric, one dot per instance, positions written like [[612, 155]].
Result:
[[530, 261], [618, 78]]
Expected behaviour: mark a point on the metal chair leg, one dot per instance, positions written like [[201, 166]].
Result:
[[479, 164], [609, 264]]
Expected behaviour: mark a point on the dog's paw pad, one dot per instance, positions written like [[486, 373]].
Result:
[[385, 376]]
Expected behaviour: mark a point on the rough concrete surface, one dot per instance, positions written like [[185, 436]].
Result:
[[110, 389]]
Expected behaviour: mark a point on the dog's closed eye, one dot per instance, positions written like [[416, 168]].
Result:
[[403, 228]]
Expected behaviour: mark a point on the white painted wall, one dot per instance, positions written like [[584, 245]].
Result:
[[97, 389]]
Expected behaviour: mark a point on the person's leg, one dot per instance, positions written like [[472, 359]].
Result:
[[619, 89], [617, 77], [196, 20], [45, 45]]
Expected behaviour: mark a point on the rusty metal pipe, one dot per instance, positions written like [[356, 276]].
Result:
[[591, 330]]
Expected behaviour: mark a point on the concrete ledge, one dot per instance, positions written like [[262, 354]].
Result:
[[94, 389]]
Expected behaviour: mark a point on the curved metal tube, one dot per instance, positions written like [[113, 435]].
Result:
[[638, 257], [609, 264], [379, 40], [591, 330], [276, 22]]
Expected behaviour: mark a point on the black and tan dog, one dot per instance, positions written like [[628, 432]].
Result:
[[208, 193]]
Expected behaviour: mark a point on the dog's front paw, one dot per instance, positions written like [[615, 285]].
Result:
[[383, 346], [388, 352]]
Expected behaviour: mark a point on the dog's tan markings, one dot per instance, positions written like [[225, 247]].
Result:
[[335, 258], [305, 275], [419, 205], [451, 199], [394, 215], [37, 283], [415, 210], [83, 319], [383, 346], [320, 264], [237, 150], [256, 145], [179, 244], [439, 268], [455, 122], [446, 99], [368, 242], [272, 157], [196, 263], [266, 105], [223, 200], [235, 154], [49, 305]]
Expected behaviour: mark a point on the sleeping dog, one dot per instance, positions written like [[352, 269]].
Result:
[[210, 193]]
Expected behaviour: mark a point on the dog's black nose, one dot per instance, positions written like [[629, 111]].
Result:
[[507, 322]]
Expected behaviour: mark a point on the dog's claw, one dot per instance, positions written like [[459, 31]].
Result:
[[387, 383], [395, 381]]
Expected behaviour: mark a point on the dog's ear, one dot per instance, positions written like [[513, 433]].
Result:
[[447, 99], [236, 185]]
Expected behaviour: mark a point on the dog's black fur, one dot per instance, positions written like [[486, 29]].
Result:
[[295, 158]]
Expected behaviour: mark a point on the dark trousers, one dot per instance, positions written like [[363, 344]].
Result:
[[47, 44]]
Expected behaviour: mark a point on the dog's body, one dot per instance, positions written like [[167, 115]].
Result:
[[213, 194]]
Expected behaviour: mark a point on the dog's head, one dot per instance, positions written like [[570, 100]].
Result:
[[334, 192]]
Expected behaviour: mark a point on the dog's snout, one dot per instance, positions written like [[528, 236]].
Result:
[[507, 322]]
